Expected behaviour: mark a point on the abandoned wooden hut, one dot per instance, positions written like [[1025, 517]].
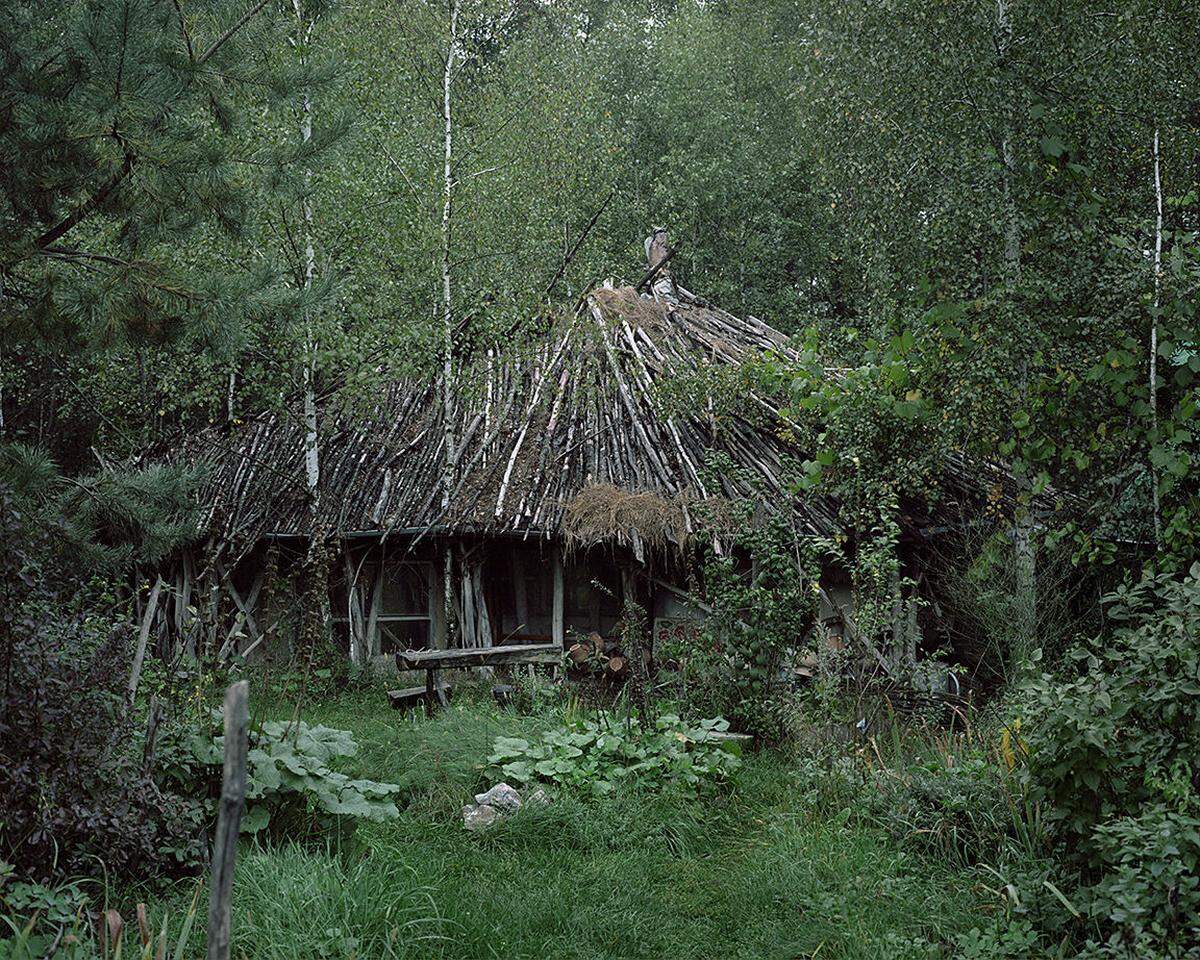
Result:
[[576, 478], [580, 472]]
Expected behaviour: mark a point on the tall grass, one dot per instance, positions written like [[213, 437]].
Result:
[[757, 871]]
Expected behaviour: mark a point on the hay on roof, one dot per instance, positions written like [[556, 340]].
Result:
[[601, 513]]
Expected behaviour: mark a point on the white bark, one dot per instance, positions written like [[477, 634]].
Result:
[[447, 291], [312, 462], [312, 459], [1153, 375], [447, 212]]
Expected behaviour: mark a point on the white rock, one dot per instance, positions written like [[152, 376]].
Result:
[[539, 796], [479, 816], [503, 797]]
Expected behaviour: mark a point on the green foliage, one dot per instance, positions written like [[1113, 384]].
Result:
[[648, 873], [78, 797], [291, 784], [1000, 940], [55, 905], [108, 521], [1119, 735], [737, 665], [58, 921], [871, 429], [1112, 754], [961, 809], [119, 154], [601, 758]]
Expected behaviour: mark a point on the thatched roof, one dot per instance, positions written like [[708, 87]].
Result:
[[589, 407]]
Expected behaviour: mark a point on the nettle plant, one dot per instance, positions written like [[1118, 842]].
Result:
[[597, 757], [291, 783]]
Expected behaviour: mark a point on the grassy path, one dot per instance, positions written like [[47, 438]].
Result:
[[750, 874]]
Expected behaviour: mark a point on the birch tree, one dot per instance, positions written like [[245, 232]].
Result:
[[1153, 360], [450, 466]]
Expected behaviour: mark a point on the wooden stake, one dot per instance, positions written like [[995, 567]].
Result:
[[229, 816], [143, 637]]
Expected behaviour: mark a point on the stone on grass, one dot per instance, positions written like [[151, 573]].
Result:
[[479, 816], [538, 797], [503, 797]]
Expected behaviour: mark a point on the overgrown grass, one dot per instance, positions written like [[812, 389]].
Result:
[[756, 871]]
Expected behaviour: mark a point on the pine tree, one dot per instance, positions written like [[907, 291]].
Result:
[[118, 158]]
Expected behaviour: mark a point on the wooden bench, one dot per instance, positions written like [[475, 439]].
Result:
[[431, 661], [408, 697]]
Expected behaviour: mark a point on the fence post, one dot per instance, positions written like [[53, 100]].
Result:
[[229, 816]]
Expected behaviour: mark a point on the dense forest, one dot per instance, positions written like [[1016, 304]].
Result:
[[893, 323]]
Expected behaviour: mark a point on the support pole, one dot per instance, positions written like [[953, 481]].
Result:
[[557, 627]]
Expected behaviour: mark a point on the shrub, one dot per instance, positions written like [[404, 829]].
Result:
[[737, 664], [76, 798], [961, 810], [600, 757], [1112, 751]]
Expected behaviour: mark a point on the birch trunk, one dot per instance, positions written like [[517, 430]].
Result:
[[312, 460], [1153, 373], [1024, 547], [447, 293]]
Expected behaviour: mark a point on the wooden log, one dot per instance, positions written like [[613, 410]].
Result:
[[412, 696], [229, 817]]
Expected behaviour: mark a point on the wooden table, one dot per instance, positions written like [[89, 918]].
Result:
[[431, 661]]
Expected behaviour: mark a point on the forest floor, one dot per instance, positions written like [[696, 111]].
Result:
[[751, 872]]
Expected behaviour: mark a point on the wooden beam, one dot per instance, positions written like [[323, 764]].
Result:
[[432, 660]]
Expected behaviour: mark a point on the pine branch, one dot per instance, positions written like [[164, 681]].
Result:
[[225, 37], [97, 199]]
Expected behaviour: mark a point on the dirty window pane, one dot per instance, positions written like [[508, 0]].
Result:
[[405, 590]]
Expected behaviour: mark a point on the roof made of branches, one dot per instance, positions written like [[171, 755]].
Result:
[[627, 404]]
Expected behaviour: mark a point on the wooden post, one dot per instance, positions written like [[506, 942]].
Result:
[[229, 816], [374, 644], [440, 602], [430, 692], [557, 627]]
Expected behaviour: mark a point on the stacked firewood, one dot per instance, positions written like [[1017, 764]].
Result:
[[599, 658]]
